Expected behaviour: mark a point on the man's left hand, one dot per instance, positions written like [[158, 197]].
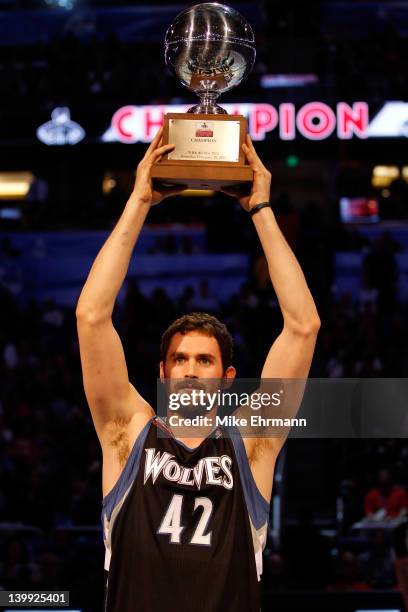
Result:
[[261, 185]]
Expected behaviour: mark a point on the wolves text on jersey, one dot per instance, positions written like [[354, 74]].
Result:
[[208, 467]]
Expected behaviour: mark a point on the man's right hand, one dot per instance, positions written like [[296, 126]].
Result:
[[144, 189]]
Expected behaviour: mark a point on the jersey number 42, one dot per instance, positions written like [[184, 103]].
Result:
[[171, 522]]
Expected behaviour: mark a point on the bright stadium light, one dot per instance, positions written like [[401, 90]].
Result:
[[383, 176], [15, 185]]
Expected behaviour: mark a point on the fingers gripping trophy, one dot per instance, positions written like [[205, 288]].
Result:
[[210, 47]]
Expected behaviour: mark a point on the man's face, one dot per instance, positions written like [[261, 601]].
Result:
[[194, 355], [191, 359]]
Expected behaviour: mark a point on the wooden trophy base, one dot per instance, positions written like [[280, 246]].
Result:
[[198, 140]]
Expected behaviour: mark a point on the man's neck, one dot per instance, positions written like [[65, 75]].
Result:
[[192, 435]]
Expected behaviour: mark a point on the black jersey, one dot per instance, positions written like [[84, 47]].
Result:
[[184, 528]]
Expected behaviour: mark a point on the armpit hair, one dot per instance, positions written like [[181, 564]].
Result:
[[118, 438], [261, 446]]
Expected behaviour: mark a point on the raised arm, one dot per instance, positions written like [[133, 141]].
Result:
[[112, 399], [291, 353]]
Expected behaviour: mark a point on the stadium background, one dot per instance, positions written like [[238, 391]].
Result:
[[341, 199]]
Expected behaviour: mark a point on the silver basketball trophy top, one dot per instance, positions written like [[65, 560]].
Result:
[[211, 48]]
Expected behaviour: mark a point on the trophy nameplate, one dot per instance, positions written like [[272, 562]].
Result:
[[211, 49], [210, 160], [204, 140]]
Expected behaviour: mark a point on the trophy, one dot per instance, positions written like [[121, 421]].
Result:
[[210, 47]]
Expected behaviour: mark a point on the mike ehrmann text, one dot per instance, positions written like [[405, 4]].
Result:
[[256, 420]]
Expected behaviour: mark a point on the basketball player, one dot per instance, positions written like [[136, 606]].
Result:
[[184, 520]]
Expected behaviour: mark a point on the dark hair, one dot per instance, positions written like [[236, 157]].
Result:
[[204, 323]]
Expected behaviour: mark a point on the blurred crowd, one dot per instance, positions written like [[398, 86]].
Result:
[[50, 461], [69, 70], [352, 59]]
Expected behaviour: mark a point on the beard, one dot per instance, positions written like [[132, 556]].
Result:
[[189, 412]]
